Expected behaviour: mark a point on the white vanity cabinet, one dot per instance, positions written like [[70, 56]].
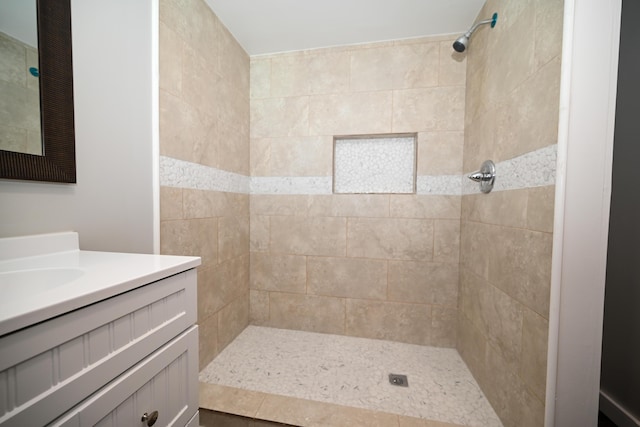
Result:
[[110, 363]]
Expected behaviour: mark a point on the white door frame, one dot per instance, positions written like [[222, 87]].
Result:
[[583, 194]]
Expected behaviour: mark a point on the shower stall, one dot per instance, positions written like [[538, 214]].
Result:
[[442, 268]]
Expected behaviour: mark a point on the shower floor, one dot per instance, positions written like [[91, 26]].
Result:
[[349, 372]]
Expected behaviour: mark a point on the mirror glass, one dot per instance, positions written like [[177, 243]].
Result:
[[20, 129]]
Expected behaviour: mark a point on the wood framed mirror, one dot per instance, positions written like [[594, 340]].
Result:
[[58, 161]]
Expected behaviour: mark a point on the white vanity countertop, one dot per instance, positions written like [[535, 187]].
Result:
[[28, 266]]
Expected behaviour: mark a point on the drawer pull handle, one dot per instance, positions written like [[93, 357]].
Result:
[[151, 418]]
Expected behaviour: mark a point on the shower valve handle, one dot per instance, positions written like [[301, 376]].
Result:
[[486, 176], [480, 176]]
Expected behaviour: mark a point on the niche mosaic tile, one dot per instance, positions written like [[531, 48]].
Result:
[[375, 164]]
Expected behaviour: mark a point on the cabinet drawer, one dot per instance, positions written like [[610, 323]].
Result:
[[50, 367], [166, 381]]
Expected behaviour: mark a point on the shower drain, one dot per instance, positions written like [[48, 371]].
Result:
[[399, 380]]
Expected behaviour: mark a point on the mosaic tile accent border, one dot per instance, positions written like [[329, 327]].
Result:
[[291, 185], [534, 169], [181, 174], [444, 185]]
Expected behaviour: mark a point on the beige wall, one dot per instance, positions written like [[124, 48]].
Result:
[[376, 266], [204, 119], [513, 75], [19, 97]]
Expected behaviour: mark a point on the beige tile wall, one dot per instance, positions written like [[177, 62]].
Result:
[[377, 266], [20, 101], [512, 97], [204, 119]]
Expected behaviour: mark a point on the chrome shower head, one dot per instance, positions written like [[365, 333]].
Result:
[[462, 42]]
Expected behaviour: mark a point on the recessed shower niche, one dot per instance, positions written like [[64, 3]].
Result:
[[373, 164]]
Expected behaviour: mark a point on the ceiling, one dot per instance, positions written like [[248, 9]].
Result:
[[270, 26]]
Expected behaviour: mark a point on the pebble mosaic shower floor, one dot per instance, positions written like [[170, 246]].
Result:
[[353, 372]]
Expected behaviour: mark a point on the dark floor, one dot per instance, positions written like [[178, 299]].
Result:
[[603, 421], [219, 419]]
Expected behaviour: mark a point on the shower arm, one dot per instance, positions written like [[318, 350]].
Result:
[[476, 25]]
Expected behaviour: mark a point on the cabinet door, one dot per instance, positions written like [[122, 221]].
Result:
[[166, 382], [47, 369]]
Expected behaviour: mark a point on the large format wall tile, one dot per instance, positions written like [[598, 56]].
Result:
[[194, 22], [220, 285], [307, 313], [540, 209], [170, 58], [549, 15], [347, 277], [260, 78], [508, 208], [395, 67], [348, 205], [407, 239], [421, 206], [453, 66], [408, 323], [397, 250], [281, 205], [507, 71], [185, 131], [204, 204], [232, 320], [471, 344], [280, 117], [350, 113], [194, 237], [423, 282], [533, 366], [512, 108], [479, 136], [232, 62], [474, 241], [277, 272], [204, 119], [259, 233], [521, 266], [502, 320], [440, 153], [521, 125], [198, 84], [292, 156], [430, 109], [233, 237], [171, 206], [207, 340], [308, 236], [293, 75], [259, 307], [443, 326], [446, 241]]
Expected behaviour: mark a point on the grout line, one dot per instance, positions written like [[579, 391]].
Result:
[[387, 296], [255, 415], [346, 237], [306, 274]]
